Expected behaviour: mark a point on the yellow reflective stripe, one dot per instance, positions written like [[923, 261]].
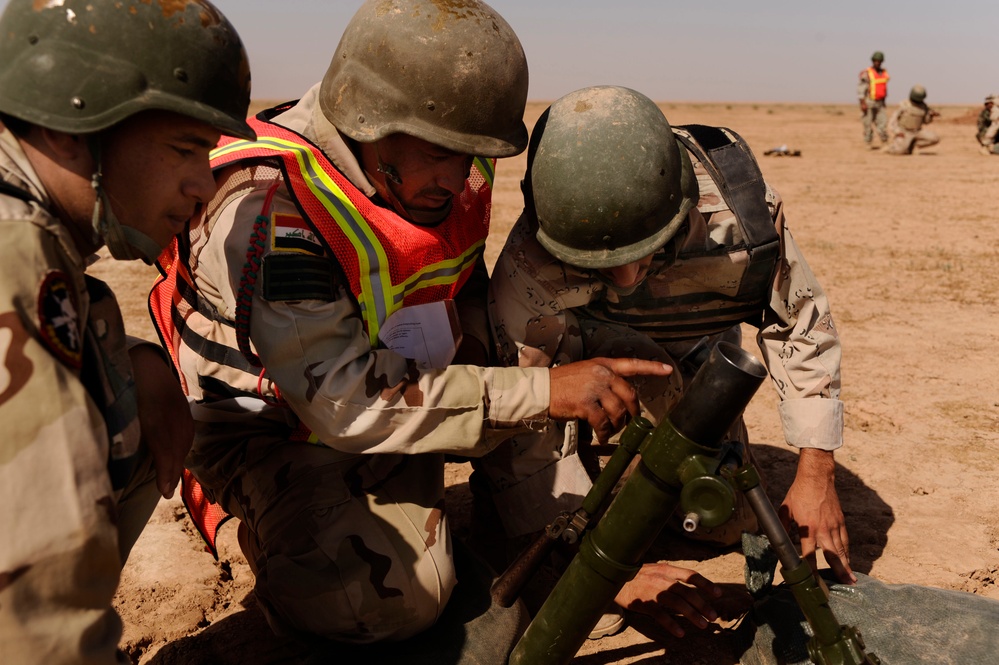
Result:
[[376, 303], [873, 80], [442, 272], [487, 167]]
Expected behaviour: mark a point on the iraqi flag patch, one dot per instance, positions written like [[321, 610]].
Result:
[[291, 233], [58, 320]]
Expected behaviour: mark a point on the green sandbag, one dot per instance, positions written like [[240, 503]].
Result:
[[903, 624]]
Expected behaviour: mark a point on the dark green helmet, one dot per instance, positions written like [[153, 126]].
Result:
[[878, 56], [452, 73], [608, 181], [917, 94], [81, 66]]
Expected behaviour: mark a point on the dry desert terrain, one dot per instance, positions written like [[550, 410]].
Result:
[[906, 250]]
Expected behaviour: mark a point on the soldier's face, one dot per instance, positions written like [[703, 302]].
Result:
[[415, 175], [156, 171]]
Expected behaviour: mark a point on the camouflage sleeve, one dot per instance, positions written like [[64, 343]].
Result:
[[863, 85], [802, 350], [59, 564], [990, 133], [375, 401], [529, 317], [893, 127]]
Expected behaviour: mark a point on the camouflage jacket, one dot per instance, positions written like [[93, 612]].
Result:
[[991, 133], [315, 349], [67, 403], [536, 303], [909, 117]]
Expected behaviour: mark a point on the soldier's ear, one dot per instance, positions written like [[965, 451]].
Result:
[[62, 145]]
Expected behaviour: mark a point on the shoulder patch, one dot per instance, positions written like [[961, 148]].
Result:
[[58, 320], [291, 233], [295, 276]]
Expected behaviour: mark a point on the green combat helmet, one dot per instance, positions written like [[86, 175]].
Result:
[[80, 67], [607, 179], [451, 73], [877, 56], [917, 95]]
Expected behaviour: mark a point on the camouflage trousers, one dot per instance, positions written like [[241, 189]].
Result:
[[876, 117], [353, 548], [534, 477], [905, 142]]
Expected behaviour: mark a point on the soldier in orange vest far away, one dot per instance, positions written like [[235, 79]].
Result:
[[327, 314], [872, 92]]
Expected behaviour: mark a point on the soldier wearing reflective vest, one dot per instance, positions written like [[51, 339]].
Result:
[[367, 196], [906, 124], [872, 94], [641, 239], [96, 427]]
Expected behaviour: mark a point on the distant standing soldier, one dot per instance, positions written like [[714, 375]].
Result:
[[872, 91], [906, 124], [988, 126]]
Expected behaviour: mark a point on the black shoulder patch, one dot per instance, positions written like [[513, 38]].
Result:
[[296, 276], [58, 321]]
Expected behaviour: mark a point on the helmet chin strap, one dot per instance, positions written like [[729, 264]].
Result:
[[124, 242]]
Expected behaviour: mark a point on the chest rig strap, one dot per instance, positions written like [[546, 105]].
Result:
[[730, 163]]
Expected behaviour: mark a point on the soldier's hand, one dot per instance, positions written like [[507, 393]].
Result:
[[664, 592], [863, 106], [594, 390], [164, 416], [812, 506]]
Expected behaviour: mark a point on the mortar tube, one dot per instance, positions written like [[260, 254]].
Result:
[[611, 554], [718, 393]]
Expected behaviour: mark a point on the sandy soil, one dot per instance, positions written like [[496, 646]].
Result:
[[904, 246]]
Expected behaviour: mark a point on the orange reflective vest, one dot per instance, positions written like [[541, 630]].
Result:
[[389, 262], [877, 84]]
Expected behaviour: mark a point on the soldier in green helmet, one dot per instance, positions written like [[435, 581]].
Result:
[[872, 94], [906, 125], [368, 197], [108, 111], [647, 240]]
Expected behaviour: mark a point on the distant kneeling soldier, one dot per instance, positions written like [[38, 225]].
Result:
[[906, 124]]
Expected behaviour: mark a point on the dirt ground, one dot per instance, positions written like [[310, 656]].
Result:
[[904, 246]]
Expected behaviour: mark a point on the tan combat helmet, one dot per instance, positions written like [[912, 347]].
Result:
[[451, 73], [918, 94]]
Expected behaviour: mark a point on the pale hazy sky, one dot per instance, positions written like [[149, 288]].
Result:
[[713, 50]]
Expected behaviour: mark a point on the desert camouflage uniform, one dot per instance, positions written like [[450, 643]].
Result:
[[983, 123], [74, 484], [906, 128], [547, 313], [349, 538], [990, 137], [877, 111]]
